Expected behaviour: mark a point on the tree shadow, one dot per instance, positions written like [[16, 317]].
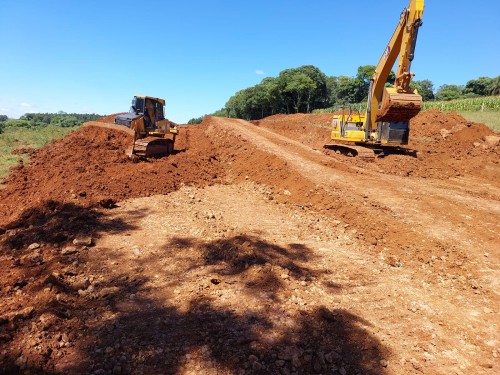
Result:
[[124, 325], [55, 223], [263, 266], [40, 259]]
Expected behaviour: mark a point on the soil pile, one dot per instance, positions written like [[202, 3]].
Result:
[[311, 129], [89, 167], [447, 145]]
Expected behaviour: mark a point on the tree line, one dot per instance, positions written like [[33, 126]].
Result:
[[37, 120], [306, 88]]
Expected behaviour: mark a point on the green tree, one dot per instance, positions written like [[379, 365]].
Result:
[[350, 90], [494, 87], [236, 105], [273, 95], [449, 92], [196, 120], [478, 86], [299, 89], [11, 123], [309, 90], [366, 73], [64, 121], [319, 95], [424, 88]]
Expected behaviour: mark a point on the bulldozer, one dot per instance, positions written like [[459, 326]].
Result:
[[385, 124], [154, 135]]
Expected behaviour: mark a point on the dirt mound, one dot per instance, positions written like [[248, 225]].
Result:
[[89, 167], [440, 132], [110, 118], [447, 145], [311, 129]]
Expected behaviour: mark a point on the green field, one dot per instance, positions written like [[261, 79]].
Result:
[[14, 138], [482, 103], [490, 118]]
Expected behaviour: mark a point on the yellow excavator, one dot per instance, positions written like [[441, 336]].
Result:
[[385, 125], [154, 135]]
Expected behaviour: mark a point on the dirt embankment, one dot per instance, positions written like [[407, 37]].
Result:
[[245, 247], [90, 166], [447, 145]]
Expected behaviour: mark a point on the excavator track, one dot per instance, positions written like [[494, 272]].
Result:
[[368, 154]]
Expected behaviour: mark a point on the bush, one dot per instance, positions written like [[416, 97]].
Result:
[[196, 120], [17, 123]]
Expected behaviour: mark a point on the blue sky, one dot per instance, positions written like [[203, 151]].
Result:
[[93, 56]]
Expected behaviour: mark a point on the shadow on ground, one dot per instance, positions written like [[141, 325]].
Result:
[[119, 324]]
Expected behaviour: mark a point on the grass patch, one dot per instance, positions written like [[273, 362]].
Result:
[[14, 138], [490, 118]]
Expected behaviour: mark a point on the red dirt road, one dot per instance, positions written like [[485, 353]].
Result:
[[251, 250]]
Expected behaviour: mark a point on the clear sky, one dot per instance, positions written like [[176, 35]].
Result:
[[92, 56]]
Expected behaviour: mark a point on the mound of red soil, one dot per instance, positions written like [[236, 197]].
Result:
[[89, 167], [109, 118], [311, 129], [447, 145]]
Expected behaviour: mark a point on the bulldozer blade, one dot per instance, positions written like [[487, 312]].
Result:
[[397, 107]]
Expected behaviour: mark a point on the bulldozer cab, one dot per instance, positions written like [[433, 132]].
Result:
[[151, 108]]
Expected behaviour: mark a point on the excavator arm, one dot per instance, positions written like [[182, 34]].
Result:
[[399, 103]]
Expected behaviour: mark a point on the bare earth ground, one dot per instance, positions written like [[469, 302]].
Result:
[[253, 251]]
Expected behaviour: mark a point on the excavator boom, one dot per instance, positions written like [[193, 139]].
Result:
[[399, 103]]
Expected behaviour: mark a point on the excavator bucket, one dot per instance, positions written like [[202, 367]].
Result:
[[398, 107]]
